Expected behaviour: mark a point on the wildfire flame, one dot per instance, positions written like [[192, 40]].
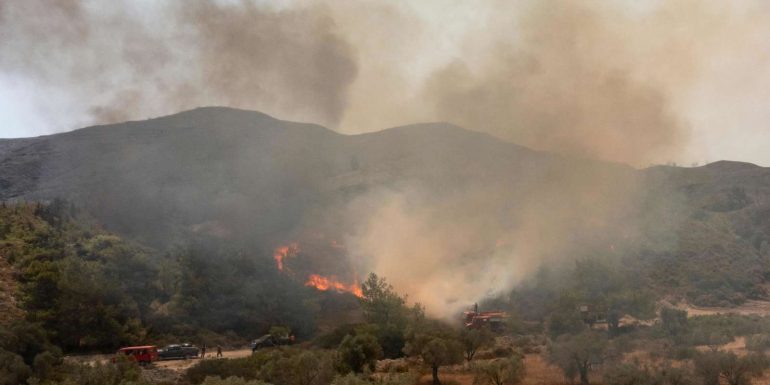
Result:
[[317, 281], [282, 252], [330, 283]]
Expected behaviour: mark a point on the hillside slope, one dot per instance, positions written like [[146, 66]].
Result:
[[449, 194]]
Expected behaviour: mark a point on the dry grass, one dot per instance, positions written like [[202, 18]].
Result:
[[540, 372]]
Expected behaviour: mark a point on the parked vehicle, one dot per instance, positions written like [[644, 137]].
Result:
[[265, 341], [178, 351], [268, 340], [495, 320], [141, 354]]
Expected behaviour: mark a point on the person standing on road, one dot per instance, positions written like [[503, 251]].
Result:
[[203, 351], [219, 351]]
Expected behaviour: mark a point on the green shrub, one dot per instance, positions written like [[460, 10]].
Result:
[[332, 339], [673, 321], [299, 367], [711, 367], [360, 352], [758, 342], [245, 368], [230, 381], [120, 373], [679, 352], [504, 371], [350, 379], [627, 374], [13, 370], [405, 378], [45, 363]]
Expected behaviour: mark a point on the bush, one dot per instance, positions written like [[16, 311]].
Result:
[[673, 321], [230, 381], [506, 371], [758, 342], [245, 368], [350, 379], [399, 365], [406, 378], [679, 352], [287, 366], [502, 352], [13, 370], [713, 366], [27, 340], [360, 352], [298, 367], [476, 339], [627, 374], [121, 373], [668, 375], [575, 354], [45, 363], [631, 374], [333, 339]]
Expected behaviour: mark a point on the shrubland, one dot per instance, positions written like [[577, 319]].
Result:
[[80, 288]]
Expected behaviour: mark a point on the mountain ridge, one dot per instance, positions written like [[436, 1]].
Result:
[[258, 182]]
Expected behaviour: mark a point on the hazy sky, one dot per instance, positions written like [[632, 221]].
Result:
[[684, 81]]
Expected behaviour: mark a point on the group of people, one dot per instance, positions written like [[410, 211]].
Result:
[[203, 351]]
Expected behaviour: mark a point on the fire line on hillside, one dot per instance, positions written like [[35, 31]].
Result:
[[317, 281]]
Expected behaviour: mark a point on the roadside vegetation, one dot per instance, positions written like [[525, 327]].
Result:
[[81, 289]]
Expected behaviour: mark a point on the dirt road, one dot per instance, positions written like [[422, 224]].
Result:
[[173, 370], [162, 371], [186, 364]]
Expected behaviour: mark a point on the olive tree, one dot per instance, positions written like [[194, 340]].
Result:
[[436, 344], [475, 339], [359, 352], [575, 354], [713, 367], [502, 371]]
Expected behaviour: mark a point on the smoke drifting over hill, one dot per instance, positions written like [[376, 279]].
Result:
[[136, 60], [581, 79], [584, 78]]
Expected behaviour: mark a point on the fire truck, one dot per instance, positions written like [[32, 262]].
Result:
[[495, 320]]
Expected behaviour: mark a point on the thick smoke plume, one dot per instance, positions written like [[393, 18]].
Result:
[[566, 85], [138, 60], [448, 250], [583, 78]]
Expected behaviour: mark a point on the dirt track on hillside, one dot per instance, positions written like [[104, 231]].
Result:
[[750, 307]]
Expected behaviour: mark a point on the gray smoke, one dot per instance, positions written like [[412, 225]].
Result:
[[583, 79], [132, 60]]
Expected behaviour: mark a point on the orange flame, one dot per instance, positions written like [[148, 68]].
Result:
[[330, 283], [282, 252]]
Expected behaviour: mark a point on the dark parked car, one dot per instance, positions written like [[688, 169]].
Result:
[[265, 341], [178, 351], [269, 340]]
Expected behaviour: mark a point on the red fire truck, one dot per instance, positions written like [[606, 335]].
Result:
[[141, 354], [495, 320]]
